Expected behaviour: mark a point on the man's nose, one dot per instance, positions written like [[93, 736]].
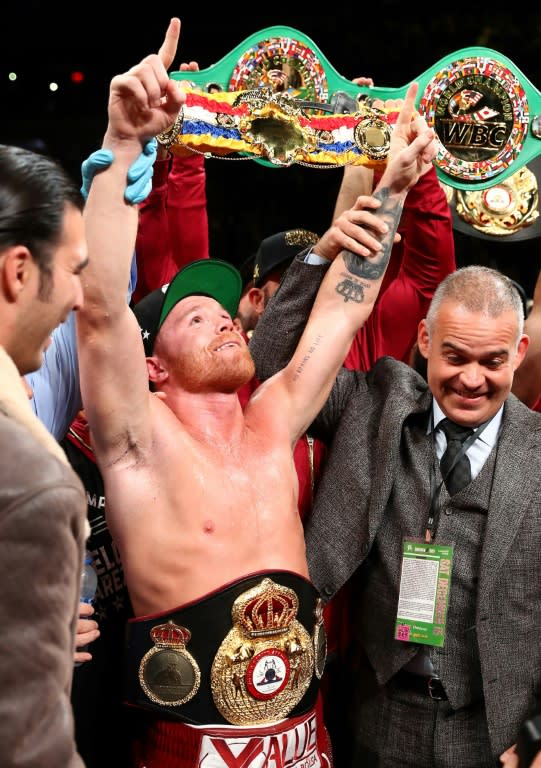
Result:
[[226, 324], [472, 375]]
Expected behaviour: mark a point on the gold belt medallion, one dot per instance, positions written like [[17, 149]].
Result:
[[168, 674], [265, 664], [504, 208]]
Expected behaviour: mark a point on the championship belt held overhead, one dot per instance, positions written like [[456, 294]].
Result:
[[275, 98]]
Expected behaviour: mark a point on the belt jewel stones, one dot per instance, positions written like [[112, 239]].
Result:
[[265, 664], [168, 674]]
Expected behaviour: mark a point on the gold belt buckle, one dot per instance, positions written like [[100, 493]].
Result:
[[265, 664]]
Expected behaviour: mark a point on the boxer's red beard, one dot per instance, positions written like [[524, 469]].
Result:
[[227, 372]]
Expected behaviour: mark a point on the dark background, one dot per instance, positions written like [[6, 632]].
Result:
[[246, 201]]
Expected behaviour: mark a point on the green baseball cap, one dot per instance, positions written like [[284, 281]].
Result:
[[206, 277]]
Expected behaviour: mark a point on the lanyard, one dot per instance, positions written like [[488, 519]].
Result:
[[435, 488]]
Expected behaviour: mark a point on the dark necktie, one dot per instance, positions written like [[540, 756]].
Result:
[[460, 475]]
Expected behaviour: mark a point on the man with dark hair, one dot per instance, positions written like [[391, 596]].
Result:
[[42, 504]]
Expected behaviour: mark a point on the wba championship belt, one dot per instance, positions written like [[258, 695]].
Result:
[[250, 653], [275, 98], [265, 664]]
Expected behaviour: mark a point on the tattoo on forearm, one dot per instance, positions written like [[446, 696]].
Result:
[[349, 289], [309, 354], [372, 268]]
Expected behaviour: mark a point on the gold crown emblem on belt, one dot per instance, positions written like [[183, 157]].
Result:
[[170, 634], [168, 673], [270, 611]]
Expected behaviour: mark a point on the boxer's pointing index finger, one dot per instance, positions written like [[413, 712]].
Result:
[[408, 107], [168, 49]]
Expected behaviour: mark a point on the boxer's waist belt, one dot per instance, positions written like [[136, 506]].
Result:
[[250, 653]]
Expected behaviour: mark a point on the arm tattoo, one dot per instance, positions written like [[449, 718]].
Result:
[[306, 359], [373, 268]]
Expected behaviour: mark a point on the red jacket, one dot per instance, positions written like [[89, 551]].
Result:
[[173, 223]]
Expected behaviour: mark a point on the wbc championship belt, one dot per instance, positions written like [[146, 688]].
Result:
[[275, 98]]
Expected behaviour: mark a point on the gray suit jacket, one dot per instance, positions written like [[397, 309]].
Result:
[[362, 425]]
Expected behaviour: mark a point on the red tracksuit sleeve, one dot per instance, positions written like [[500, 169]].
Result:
[[187, 210], [173, 224], [152, 249]]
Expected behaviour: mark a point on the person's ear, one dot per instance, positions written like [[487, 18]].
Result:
[[157, 374], [423, 340], [521, 351], [256, 297], [16, 269]]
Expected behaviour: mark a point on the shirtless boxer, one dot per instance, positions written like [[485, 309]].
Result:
[[227, 648]]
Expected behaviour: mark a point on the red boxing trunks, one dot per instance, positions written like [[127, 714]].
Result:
[[297, 742]]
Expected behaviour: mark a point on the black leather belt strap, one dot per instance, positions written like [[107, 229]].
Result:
[[428, 686]]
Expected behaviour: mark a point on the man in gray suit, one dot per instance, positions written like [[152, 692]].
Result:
[[458, 694]]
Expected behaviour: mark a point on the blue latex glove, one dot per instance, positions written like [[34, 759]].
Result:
[[95, 163], [139, 173]]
